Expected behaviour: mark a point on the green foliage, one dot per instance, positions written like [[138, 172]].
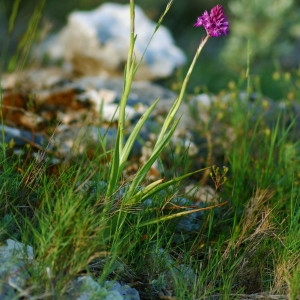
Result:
[[271, 27], [19, 59]]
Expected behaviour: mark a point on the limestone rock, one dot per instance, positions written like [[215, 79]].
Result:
[[96, 42]]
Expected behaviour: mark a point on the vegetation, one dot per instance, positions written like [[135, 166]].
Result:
[[86, 217]]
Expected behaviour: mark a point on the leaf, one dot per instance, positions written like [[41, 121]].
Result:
[[130, 141], [157, 186], [180, 214]]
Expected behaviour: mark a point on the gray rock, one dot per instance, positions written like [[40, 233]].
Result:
[[77, 140], [181, 273], [141, 91], [169, 273], [16, 250], [86, 288], [188, 224], [97, 42], [92, 290], [13, 275], [125, 291], [20, 137]]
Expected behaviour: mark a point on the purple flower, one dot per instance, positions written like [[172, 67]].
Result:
[[214, 23]]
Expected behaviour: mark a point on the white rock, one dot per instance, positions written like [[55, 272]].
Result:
[[97, 42], [110, 112]]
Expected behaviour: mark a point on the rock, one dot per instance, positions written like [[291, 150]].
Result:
[[181, 273], [97, 42], [12, 267], [34, 79], [187, 225], [19, 137], [80, 105], [202, 194], [16, 250], [90, 103], [125, 291], [85, 288], [77, 140], [169, 273]]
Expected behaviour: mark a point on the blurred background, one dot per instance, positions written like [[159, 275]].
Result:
[[268, 30]]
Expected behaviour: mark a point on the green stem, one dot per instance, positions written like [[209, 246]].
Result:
[[168, 127], [129, 73], [189, 72], [173, 111], [115, 168]]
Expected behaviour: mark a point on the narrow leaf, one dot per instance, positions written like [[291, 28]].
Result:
[[180, 214], [131, 139]]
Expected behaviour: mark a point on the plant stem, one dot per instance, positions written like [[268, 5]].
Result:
[[173, 111], [190, 70]]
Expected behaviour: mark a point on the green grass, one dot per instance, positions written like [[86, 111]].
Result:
[[83, 217]]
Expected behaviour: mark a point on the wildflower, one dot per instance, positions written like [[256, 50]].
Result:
[[214, 23]]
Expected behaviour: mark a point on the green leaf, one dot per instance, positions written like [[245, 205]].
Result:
[[141, 174], [130, 141], [114, 172], [157, 186], [180, 214]]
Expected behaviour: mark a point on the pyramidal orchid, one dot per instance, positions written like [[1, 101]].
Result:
[[215, 23]]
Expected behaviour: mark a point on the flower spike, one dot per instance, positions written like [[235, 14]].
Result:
[[215, 23]]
